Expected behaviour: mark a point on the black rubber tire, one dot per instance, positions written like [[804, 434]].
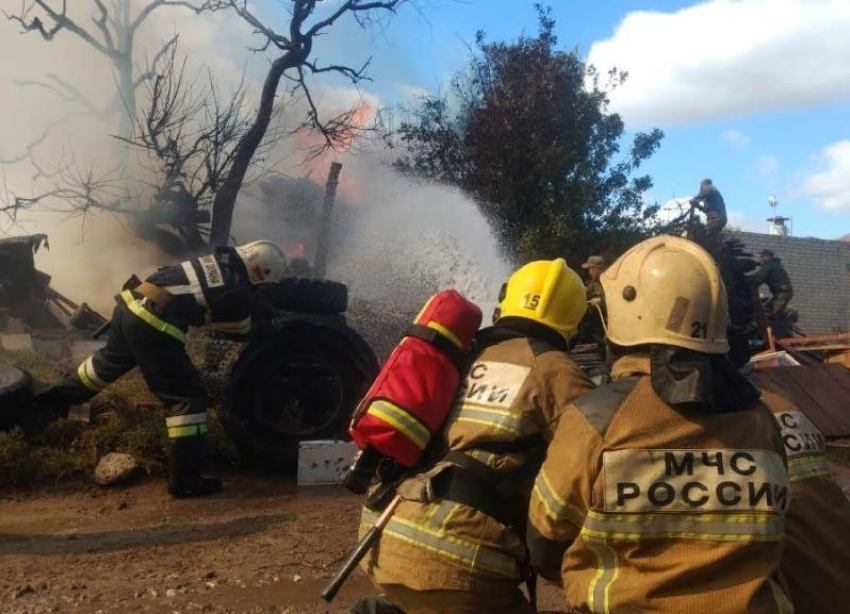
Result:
[[15, 394], [306, 295], [277, 387]]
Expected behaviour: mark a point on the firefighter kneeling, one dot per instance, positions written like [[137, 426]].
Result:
[[665, 490], [455, 542], [148, 330]]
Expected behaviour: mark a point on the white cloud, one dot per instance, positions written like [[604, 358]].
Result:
[[742, 221], [830, 187], [728, 58], [735, 139]]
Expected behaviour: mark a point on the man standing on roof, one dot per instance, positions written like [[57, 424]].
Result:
[[455, 544], [711, 203], [148, 330], [774, 275], [665, 490]]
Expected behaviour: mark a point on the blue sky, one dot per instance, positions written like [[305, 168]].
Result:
[[752, 93]]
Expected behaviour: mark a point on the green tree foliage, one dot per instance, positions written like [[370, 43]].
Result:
[[524, 134]]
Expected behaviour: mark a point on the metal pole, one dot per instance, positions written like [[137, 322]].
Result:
[[325, 224]]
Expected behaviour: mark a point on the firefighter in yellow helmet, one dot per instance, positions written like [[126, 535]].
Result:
[[816, 560], [148, 330], [665, 490], [455, 544]]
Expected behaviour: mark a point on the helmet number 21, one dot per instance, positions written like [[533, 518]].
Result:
[[531, 301], [699, 330]]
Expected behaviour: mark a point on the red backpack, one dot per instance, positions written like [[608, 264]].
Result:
[[414, 392]]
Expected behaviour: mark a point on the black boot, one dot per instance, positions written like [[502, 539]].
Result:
[[185, 461]]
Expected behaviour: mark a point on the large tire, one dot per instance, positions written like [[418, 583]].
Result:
[[301, 384], [15, 394], [306, 295]]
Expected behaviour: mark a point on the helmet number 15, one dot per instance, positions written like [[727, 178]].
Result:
[[531, 301]]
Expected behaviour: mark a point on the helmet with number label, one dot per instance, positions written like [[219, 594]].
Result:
[[264, 261], [667, 290], [548, 292]]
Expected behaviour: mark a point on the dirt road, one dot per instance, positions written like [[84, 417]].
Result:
[[260, 547]]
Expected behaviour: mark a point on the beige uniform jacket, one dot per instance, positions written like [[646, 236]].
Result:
[[816, 563], [514, 389], [645, 508]]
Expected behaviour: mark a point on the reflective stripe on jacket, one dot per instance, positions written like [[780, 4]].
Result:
[[514, 389], [643, 507], [816, 563]]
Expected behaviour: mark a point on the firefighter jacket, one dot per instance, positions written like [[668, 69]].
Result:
[[643, 507], [774, 275], [213, 287], [513, 393], [816, 563]]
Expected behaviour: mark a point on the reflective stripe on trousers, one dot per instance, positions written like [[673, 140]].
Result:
[[437, 541], [89, 377], [190, 425]]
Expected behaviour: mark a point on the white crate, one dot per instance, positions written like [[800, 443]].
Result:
[[321, 463]]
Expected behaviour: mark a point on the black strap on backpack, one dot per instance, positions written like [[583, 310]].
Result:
[[431, 336]]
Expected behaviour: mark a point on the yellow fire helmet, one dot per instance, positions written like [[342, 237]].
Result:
[[264, 261], [548, 292], [667, 290]]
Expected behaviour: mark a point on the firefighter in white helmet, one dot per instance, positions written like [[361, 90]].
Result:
[[456, 543], [148, 330], [665, 490]]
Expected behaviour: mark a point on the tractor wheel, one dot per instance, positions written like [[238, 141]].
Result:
[[301, 384], [307, 295]]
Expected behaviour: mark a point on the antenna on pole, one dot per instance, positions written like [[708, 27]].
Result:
[[777, 222]]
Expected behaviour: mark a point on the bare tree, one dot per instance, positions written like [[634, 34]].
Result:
[[111, 33], [292, 42], [185, 136]]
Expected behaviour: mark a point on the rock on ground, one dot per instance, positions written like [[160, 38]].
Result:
[[115, 468]]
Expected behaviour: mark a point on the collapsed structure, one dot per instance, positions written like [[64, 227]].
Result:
[[34, 315]]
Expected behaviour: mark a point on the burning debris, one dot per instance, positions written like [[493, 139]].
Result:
[[33, 315]]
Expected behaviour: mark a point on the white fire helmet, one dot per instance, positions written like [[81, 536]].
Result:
[[667, 290], [264, 261]]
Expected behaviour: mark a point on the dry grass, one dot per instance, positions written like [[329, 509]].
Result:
[[126, 418]]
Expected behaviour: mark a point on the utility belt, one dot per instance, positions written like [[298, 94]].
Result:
[[158, 297], [152, 292], [460, 478]]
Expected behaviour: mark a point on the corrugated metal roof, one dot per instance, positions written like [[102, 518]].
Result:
[[821, 391]]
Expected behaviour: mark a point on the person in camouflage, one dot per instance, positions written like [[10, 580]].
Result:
[[774, 275], [711, 203], [592, 328]]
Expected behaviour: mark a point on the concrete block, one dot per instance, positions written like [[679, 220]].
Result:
[[21, 342], [321, 463]]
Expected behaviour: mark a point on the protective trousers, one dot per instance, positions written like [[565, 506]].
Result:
[[779, 302], [715, 222], [504, 599], [141, 336]]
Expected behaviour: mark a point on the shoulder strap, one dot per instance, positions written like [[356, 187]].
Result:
[[600, 405], [432, 337]]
